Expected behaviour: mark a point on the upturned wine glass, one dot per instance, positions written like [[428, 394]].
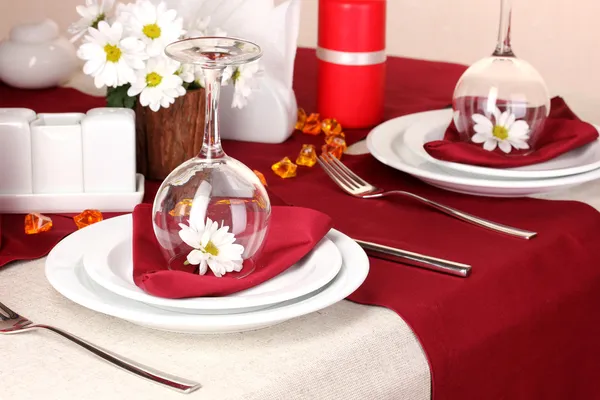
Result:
[[501, 101], [212, 204]]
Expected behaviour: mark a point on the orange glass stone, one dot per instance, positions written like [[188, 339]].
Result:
[[182, 208], [87, 217], [312, 126], [285, 168], [337, 141], [37, 223], [335, 151], [262, 178], [301, 119], [260, 202], [307, 156], [231, 201], [330, 126]]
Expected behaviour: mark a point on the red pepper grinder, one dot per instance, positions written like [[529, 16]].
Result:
[[351, 53]]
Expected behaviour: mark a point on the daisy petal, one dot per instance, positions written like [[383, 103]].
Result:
[[490, 145], [195, 257], [504, 118], [505, 146], [480, 137], [510, 121], [519, 129], [497, 115], [203, 267], [485, 125], [190, 237]]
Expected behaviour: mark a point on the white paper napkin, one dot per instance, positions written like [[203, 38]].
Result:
[[274, 28]]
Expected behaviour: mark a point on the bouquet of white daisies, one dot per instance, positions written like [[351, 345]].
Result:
[[123, 49]]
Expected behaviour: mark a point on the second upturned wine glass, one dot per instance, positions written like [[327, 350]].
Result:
[[501, 101], [211, 213]]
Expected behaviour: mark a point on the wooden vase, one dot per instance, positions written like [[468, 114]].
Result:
[[170, 136]]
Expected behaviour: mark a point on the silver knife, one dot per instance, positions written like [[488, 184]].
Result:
[[415, 259]]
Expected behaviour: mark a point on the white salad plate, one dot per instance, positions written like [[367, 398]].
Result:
[[109, 264], [583, 159], [66, 273], [386, 143]]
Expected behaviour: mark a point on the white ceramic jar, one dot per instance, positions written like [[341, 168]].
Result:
[[108, 143], [56, 153], [15, 151], [35, 56], [269, 116]]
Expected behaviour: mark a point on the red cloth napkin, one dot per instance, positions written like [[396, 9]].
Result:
[[563, 132], [293, 233]]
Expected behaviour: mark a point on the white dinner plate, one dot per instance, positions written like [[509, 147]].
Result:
[[385, 142], [65, 272], [109, 263], [583, 159]]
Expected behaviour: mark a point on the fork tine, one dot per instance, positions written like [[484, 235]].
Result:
[[349, 172], [349, 181], [333, 175], [11, 313], [334, 163]]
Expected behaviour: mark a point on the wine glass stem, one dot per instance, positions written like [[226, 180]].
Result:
[[503, 48], [211, 146]]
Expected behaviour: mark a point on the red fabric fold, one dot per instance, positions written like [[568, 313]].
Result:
[[293, 233], [563, 132]]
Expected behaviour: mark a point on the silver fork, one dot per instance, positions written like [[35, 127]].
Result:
[[354, 185], [12, 323]]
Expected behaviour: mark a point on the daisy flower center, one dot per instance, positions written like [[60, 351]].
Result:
[[500, 132], [153, 79], [211, 249], [236, 75], [113, 53], [152, 31]]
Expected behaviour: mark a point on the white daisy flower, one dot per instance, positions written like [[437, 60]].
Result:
[[91, 14], [244, 81], [506, 132], [214, 247], [111, 59], [199, 28], [187, 73], [123, 11], [155, 25], [158, 84]]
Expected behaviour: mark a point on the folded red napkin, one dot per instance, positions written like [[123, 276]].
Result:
[[293, 233], [563, 132]]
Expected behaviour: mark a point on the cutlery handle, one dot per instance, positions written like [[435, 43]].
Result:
[[151, 374], [508, 230], [419, 260]]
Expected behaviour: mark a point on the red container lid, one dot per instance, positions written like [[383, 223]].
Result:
[[352, 25]]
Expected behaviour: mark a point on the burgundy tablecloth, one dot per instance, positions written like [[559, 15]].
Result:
[[523, 326]]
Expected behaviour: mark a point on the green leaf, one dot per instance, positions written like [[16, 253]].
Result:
[[117, 97], [129, 102]]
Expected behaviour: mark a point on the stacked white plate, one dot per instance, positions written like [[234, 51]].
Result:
[[399, 142], [93, 267]]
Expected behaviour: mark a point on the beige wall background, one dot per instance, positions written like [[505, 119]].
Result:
[[561, 38]]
